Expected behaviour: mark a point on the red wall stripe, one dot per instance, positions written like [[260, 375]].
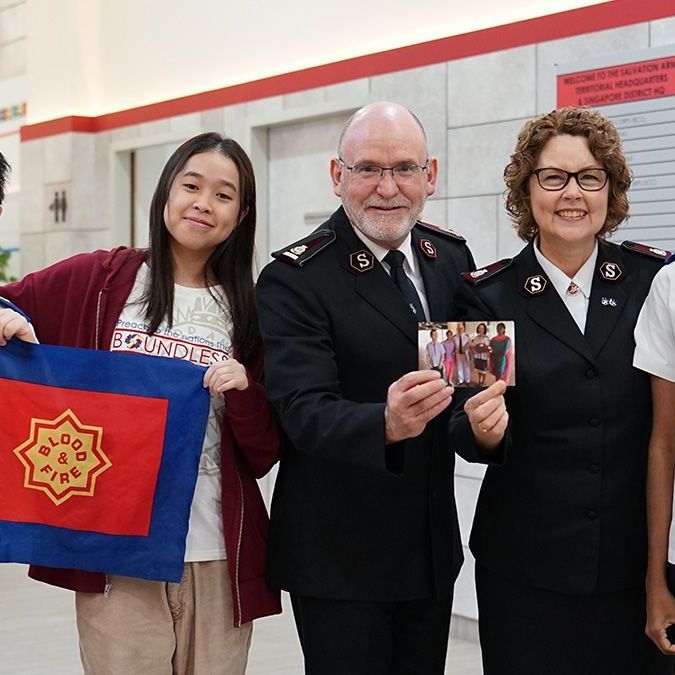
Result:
[[605, 16], [61, 125]]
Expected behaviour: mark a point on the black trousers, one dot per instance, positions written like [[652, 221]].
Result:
[[373, 638], [532, 631]]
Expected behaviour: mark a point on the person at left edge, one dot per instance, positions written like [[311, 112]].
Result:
[[195, 280], [364, 527]]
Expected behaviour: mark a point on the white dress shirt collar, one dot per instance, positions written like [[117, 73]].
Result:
[[583, 278], [411, 265], [578, 301]]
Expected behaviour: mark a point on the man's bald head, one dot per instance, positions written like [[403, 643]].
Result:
[[383, 173], [379, 112]]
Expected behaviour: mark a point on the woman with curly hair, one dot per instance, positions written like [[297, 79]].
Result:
[[559, 534]]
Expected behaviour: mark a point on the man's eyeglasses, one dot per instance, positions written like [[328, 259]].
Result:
[[372, 173], [590, 180]]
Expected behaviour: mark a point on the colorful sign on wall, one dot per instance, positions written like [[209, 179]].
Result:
[[637, 92], [618, 84]]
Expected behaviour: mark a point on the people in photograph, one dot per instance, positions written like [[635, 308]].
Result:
[[364, 530], [435, 353], [500, 354], [560, 529], [195, 280], [449, 362], [480, 348], [655, 354], [462, 344]]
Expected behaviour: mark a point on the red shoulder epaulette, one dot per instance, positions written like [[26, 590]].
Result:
[[484, 273], [303, 250], [440, 230], [649, 251]]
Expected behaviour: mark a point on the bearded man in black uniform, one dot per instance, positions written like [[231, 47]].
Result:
[[364, 525]]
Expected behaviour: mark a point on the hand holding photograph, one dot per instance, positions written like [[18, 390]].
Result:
[[469, 353]]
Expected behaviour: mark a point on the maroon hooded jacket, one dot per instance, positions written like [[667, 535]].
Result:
[[76, 303]]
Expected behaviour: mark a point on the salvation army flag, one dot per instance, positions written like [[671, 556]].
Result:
[[99, 454]]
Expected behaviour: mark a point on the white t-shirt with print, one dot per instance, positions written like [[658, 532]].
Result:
[[201, 333]]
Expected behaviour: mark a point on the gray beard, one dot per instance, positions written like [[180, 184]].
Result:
[[381, 231]]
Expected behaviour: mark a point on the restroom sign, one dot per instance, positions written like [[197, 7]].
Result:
[[624, 83]]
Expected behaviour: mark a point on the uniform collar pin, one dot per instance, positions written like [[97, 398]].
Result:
[[362, 261], [611, 271], [536, 284], [428, 249]]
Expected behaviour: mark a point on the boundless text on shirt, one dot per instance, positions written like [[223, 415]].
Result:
[[201, 334]]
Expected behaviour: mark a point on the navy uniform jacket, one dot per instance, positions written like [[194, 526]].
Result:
[[351, 517], [566, 511]]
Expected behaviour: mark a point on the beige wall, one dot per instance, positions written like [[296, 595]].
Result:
[[89, 57], [472, 109]]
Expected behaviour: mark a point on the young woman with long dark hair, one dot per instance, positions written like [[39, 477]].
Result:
[[189, 296]]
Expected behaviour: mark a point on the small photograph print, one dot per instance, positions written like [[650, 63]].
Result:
[[469, 353]]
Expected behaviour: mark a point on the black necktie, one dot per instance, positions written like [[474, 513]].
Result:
[[395, 260]]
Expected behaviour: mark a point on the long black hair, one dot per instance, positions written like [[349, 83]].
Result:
[[230, 264], [4, 172]]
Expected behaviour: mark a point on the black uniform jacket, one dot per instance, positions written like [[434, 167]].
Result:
[[566, 511], [352, 518]]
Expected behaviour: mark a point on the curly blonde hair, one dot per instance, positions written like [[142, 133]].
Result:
[[603, 142]]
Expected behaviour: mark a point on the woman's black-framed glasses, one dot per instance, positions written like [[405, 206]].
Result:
[[590, 180]]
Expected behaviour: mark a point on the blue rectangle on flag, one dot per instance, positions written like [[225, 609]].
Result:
[[99, 455]]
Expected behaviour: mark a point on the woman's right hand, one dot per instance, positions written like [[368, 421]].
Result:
[[660, 615], [13, 325], [487, 415]]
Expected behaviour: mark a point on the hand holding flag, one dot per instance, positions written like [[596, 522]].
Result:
[[13, 324], [99, 454]]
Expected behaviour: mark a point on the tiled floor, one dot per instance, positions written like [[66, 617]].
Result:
[[38, 637]]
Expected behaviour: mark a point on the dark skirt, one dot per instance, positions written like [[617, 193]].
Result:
[[532, 631]]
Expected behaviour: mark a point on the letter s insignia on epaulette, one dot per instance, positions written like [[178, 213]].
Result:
[[484, 273], [301, 251]]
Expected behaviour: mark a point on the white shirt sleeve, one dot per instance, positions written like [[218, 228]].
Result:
[[655, 328]]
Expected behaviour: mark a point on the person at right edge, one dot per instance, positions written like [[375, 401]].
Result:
[[559, 534], [655, 354]]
